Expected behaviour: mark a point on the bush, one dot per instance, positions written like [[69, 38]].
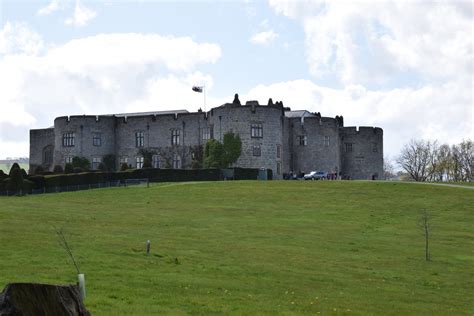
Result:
[[124, 166], [39, 170], [68, 168], [147, 163], [13, 167], [81, 162], [3, 175], [77, 170], [102, 167], [15, 181], [58, 169], [109, 162]]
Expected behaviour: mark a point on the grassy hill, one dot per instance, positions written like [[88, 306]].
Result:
[[294, 247]]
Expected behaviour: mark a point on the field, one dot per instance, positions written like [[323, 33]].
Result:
[[248, 247]]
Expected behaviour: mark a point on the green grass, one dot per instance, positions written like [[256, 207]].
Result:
[[294, 247], [6, 167]]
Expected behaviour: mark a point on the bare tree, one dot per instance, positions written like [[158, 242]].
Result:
[[388, 168], [466, 152], [418, 159]]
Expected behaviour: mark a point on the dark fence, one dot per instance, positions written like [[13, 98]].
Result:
[[38, 184]]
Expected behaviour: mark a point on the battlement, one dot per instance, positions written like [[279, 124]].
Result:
[[362, 130]]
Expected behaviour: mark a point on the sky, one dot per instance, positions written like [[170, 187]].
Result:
[[405, 66]]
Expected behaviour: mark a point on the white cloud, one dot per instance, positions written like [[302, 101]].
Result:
[[94, 75], [374, 42], [81, 16], [17, 38], [442, 112], [50, 8], [264, 38], [419, 54]]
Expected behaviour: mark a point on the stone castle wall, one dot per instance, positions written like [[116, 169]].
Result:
[[362, 152], [280, 148], [320, 150], [41, 140]]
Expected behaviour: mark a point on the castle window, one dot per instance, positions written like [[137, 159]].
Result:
[[156, 161], [48, 155], [96, 162], [302, 140], [348, 147], [175, 137], [96, 139], [256, 130], [374, 147], [140, 161], [206, 133], [68, 139], [176, 162], [278, 167], [123, 160], [68, 159], [326, 141], [257, 151], [139, 139], [278, 151]]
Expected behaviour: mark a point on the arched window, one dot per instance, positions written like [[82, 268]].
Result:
[[48, 155]]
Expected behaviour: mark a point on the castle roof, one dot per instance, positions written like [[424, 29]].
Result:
[[149, 113], [298, 113]]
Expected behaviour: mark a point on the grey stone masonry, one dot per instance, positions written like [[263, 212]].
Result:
[[272, 135]]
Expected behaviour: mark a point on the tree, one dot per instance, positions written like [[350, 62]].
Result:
[[232, 148], [13, 167], [418, 159], [109, 162], [15, 180], [388, 168], [68, 168], [213, 154], [124, 166], [466, 154], [218, 155], [81, 162]]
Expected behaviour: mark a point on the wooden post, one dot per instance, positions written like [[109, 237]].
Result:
[[147, 247]]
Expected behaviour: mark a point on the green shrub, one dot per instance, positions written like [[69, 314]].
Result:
[[39, 170], [102, 167], [13, 167], [15, 181], [81, 162], [123, 167], [109, 162], [68, 168], [58, 169]]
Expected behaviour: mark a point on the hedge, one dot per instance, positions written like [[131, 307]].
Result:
[[51, 181]]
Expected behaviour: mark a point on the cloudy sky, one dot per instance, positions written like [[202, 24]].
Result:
[[406, 66]]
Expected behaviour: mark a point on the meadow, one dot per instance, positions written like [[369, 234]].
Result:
[[251, 248]]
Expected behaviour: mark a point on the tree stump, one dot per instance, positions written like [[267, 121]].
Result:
[[41, 299]]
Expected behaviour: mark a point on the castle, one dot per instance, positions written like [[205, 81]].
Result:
[[273, 137]]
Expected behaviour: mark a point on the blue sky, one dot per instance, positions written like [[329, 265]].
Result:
[[404, 66]]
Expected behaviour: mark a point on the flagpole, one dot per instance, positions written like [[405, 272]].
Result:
[[204, 91]]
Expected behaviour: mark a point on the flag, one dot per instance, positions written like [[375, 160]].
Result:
[[197, 89]]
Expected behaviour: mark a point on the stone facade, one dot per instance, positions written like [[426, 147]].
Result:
[[272, 135]]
